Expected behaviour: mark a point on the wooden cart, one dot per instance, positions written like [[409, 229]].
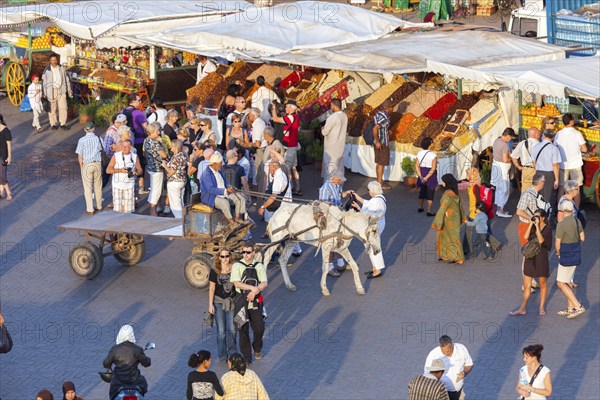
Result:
[[122, 236], [17, 64]]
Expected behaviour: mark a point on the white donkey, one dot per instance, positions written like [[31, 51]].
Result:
[[322, 226]]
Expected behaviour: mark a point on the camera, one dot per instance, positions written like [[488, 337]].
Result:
[[130, 172], [535, 218]]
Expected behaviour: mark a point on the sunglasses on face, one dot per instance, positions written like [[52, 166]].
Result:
[[551, 122], [236, 122], [225, 256], [247, 252], [202, 124]]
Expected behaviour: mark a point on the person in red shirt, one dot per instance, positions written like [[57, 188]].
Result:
[[290, 140]]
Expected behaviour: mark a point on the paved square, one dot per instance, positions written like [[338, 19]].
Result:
[[341, 347]]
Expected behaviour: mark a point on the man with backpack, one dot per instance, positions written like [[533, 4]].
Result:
[[137, 123], [521, 157], [546, 160], [250, 279], [381, 136]]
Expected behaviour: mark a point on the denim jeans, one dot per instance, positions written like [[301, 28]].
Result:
[[225, 332]]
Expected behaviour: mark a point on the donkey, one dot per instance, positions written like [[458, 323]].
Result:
[[324, 226]]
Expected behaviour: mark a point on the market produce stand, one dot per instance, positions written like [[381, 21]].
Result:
[[122, 236], [22, 57]]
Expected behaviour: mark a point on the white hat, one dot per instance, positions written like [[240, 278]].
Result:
[[437, 365], [215, 158], [121, 118]]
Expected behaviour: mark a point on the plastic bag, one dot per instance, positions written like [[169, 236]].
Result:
[[26, 105]]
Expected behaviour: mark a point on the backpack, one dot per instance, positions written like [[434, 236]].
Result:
[[128, 112], [486, 194], [368, 134], [541, 204], [250, 277]]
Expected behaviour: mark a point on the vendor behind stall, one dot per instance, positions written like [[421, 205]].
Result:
[[590, 112]]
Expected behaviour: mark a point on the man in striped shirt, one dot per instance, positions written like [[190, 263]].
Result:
[[428, 386], [90, 158], [381, 136]]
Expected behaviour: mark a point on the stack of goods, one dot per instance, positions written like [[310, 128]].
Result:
[[333, 78], [414, 131], [240, 72], [484, 115], [357, 118], [441, 107], [222, 69], [453, 125], [270, 73], [208, 92], [420, 100], [398, 131], [432, 130], [189, 58], [402, 93], [534, 114], [465, 103], [378, 97]]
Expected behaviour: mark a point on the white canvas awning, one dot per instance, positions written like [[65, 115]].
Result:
[[578, 76], [91, 20], [410, 52], [259, 32]]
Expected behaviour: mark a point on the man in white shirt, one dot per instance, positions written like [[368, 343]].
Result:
[[258, 143], [158, 112], [334, 136], [205, 67], [262, 98], [458, 362], [571, 144], [521, 157]]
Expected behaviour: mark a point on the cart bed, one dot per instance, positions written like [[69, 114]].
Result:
[[134, 224]]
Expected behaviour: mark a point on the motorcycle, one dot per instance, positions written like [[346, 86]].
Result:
[[126, 392]]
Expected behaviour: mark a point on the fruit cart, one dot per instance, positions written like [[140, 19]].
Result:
[[23, 57], [122, 236]]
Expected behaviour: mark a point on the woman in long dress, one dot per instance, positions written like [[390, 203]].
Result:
[[447, 222]]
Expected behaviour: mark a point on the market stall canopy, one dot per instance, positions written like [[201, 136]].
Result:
[[90, 20], [408, 52], [579, 76], [258, 32]]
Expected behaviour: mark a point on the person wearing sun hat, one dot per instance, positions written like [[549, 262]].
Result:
[[216, 191], [428, 386]]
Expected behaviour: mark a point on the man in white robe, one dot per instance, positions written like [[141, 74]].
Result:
[[334, 134]]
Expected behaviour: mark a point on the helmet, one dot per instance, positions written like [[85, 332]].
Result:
[[106, 375]]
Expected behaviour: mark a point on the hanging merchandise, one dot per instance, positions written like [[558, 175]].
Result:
[[441, 8]]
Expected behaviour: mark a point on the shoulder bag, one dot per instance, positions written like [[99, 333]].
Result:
[[537, 371], [105, 157], [532, 248]]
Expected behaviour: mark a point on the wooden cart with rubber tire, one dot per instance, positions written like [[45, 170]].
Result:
[[109, 233]]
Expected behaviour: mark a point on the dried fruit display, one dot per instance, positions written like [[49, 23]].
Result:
[[401, 127], [403, 92], [419, 101], [467, 101], [357, 118], [208, 92], [382, 94], [222, 69], [439, 109], [270, 73], [481, 109], [242, 72], [442, 143], [307, 98], [433, 129], [414, 131]]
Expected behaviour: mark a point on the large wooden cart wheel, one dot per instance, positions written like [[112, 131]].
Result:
[[136, 249], [15, 83], [86, 260], [196, 270]]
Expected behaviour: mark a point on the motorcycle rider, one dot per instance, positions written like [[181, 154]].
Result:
[[126, 356]]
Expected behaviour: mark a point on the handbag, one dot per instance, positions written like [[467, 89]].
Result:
[[6, 342], [105, 157], [570, 253], [46, 104], [532, 248]]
